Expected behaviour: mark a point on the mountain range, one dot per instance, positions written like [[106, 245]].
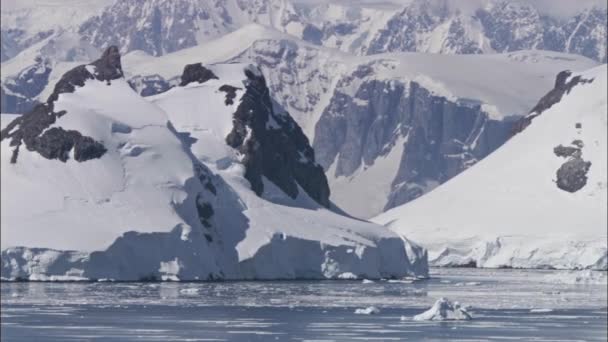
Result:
[[323, 114]]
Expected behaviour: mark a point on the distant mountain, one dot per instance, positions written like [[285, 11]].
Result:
[[539, 201], [206, 181], [52, 32], [500, 26]]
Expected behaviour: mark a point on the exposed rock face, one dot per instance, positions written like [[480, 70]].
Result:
[[159, 27], [563, 85], [11, 103], [230, 93], [56, 143], [502, 26], [298, 75], [440, 138], [150, 85], [31, 80], [273, 145], [196, 73], [572, 175], [22, 89]]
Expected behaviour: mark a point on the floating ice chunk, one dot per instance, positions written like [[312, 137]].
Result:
[[191, 291], [471, 283], [347, 275], [370, 310], [367, 281], [541, 310], [586, 277], [444, 310], [402, 281]]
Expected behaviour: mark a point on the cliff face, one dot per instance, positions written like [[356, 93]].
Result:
[[440, 137], [272, 144]]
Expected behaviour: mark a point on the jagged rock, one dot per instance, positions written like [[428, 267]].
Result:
[[562, 86], [196, 73], [150, 85], [230, 93], [578, 143], [567, 151], [572, 175], [32, 80], [273, 145], [56, 143], [443, 137]]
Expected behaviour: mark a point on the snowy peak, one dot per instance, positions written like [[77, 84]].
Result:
[[270, 144], [538, 201], [161, 26], [37, 129], [169, 198], [273, 145], [196, 73], [107, 68]]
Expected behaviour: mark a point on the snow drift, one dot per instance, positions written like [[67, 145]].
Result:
[[539, 201], [98, 183]]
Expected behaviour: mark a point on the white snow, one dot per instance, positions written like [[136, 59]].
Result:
[[141, 195], [507, 210], [444, 310]]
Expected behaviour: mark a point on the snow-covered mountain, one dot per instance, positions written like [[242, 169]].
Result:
[[498, 26], [539, 201], [455, 114], [205, 181], [358, 110], [396, 97]]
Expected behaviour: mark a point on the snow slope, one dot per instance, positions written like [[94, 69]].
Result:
[[147, 208], [507, 210], [197, 109]]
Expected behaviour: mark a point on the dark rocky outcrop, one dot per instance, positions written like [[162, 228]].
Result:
[[196, 73], [566, 151], [230, 93], [56, 143], [572, 175], [150, 85], [563, 85], [273, 145]]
